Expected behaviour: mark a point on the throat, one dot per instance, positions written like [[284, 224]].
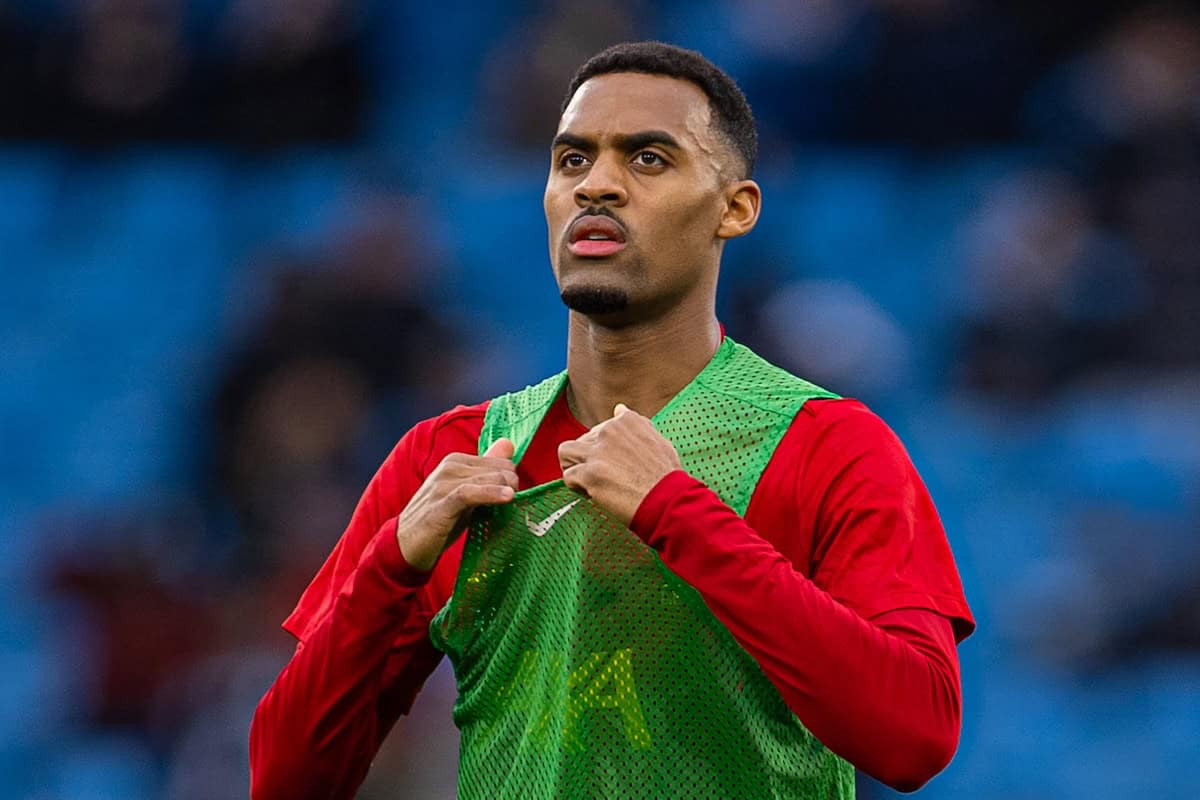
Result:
[[640, 367]]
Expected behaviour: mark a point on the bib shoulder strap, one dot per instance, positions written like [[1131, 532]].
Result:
[[517, 415], [749, 377], [735, 372]]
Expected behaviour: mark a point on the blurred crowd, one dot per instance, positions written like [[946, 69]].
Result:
[[247, 243], [258, 73]]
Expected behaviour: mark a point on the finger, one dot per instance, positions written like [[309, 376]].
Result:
[[464, 463], [576, 478], [592, 432], [461, 469], [496, 477], [601, 431], [491, 462], [620, 409], [501, 448], [470, 495], [572, 452], [450, 492]]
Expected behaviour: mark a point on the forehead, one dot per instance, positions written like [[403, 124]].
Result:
[[626, 102]]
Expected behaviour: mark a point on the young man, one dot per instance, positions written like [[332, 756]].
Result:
[[686, 573]]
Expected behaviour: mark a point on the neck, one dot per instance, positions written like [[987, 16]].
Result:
[[642, 364]]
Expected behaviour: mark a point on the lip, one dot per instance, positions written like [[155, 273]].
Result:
[[580, 244]]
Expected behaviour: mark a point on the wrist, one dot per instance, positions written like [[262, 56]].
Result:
[[656, 502], [413, 556], [387, 552]]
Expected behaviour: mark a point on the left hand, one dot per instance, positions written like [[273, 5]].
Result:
[[618, 462]]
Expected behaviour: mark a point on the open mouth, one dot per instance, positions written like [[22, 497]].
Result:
[[595, 236]]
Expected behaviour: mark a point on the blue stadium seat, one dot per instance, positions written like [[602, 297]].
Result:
[[30, 183], [290, 197], [104, 767]]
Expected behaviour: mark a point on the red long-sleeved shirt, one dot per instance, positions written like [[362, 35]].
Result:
[[839, 582]]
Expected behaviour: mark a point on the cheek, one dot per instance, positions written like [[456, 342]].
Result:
[[552, 240], [686, 227], [558, 213]]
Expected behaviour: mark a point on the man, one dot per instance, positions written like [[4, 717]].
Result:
[[686, 574]]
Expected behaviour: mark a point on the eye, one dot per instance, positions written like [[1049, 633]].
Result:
[[572, 161], [649, 158]]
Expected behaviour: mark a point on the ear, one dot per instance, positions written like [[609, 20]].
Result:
[[742, 202]]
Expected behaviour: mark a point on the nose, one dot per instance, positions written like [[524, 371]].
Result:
[[602, 184]]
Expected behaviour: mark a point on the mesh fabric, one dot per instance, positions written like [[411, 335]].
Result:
[[586, 669]]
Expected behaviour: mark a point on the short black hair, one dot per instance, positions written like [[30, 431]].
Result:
[[731, 113]]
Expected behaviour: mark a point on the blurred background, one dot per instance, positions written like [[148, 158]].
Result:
[[241, 253]]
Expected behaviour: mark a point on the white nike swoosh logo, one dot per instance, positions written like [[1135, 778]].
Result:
[[543, 527]]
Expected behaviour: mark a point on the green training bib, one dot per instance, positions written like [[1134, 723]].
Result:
[[586, 668]]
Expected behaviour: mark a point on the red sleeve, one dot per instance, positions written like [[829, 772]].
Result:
[[404, 470], [884, 692], [364, 649], [878, 543]]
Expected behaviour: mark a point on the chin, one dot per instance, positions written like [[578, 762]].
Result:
[[595, 299]]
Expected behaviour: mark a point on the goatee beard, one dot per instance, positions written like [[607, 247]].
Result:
[[595, 299]]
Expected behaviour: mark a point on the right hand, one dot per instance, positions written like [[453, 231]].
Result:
[[438, 512]]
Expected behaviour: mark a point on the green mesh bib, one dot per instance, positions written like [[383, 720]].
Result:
[[585, 668]]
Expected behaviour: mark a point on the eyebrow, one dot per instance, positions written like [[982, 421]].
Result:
[[624, 141]]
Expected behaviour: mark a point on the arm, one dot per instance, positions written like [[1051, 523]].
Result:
[[883, 693], [864, 654], [320, 724], [363, 622]]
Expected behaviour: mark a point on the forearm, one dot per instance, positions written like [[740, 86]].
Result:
[[318, 727], [884, 696]]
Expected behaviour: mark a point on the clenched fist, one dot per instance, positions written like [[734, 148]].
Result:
[[618, 462], [438, 512]]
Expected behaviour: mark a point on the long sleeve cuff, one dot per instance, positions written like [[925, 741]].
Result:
[[382, 582], [646, 522], [383, 553]]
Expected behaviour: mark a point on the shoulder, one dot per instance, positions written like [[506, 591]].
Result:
[[418, 453], [838, 440], [877, 541], [404, 470], [845, 422], [747, 376], [432, 439]]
